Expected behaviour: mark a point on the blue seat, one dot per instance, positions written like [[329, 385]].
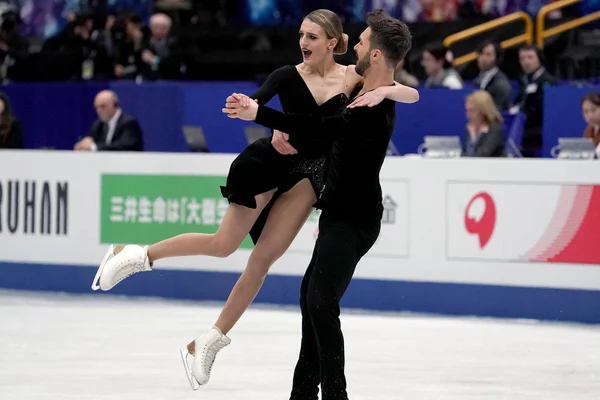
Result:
[[514, 126]]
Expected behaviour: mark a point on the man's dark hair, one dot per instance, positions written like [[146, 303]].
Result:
[[497, 49], [439, 51], [533, 47], [389, 35]]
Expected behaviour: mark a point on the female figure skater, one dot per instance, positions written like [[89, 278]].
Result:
[[271, 194]]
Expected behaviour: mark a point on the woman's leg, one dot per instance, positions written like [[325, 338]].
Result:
[[288, 214], [233, 229], [129, 260], [284, 222]]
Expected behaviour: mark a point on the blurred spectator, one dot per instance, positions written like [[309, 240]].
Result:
[[114, 130], [160, 50], [104, 37], [436, 61], [72, 55], [439, 10], [129, 49], [485, 137], [13, 47], [491, 78], [530, 96], [590, 105], [11, 132], [404, 77]]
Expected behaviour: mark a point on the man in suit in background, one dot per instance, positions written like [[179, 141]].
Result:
[[491, 78], [114, 130]]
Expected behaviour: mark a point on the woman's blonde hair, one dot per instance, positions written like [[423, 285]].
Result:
[[332, 25], [483, 102]]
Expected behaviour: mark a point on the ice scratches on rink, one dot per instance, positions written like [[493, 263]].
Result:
[[82, 348]]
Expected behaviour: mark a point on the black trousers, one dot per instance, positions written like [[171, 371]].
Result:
[[338, 249]]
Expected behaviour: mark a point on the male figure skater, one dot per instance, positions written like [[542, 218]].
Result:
[[351, 201]]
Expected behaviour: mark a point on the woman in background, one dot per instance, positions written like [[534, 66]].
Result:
[[11, 133], [485, 137], [590, 106]]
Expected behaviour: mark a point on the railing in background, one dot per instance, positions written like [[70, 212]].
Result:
[[490, 25], [543, 33]]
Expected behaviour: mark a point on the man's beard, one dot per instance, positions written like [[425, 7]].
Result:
[[363, 64]]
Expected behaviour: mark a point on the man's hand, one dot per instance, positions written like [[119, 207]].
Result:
[[84, 144], [280, 143], [148, 57], [240, 106], [119, 70]]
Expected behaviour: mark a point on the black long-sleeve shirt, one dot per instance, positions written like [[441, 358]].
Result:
[[14, 140], [360, 138]]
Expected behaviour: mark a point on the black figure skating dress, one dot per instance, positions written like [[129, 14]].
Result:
[[260, 168]]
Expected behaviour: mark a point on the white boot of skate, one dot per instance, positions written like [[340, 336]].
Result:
[[206, 349], [116, 267]]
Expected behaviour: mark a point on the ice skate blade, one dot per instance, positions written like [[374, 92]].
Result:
[[109, 254], [190, 375]]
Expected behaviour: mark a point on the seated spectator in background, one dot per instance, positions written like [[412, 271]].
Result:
[[114, 130], [159, 48], [485, 137], [590, 105], [490, 78], [66, 52], [11, 133], [14, 49], [404, 77], [530, 96], [437, 62], [128, 52]]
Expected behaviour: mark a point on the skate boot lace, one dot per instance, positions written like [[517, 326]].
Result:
[[124, 272], [210, 353]]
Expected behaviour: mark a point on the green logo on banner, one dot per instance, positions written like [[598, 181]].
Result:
[[145, 209]]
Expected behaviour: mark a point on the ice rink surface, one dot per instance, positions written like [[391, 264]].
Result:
[[56, 347]]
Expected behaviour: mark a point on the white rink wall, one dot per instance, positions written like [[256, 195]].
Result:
[[500, 238]]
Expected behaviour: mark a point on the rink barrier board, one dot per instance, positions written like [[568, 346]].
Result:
[[504, 238], [564, 305]]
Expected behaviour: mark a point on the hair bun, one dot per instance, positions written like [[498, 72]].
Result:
[[342, 46]]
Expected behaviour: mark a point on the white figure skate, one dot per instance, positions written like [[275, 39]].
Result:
[[206, 349], [116, 267]]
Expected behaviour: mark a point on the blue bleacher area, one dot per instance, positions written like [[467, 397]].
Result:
[[56, 115]]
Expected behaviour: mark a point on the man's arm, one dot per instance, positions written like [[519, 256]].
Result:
[[309, 126], [500, 90], [95, 130], [129, 139]]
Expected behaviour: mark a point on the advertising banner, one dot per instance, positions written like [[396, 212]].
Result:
[[393, 239], [144, 209], [529, 222]]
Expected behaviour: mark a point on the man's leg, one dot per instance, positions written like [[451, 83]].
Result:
[[307, 376], [340, 248]]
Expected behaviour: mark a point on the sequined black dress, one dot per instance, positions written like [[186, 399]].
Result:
[[260, 168]]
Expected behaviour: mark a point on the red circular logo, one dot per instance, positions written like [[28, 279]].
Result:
[[483, 227]]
